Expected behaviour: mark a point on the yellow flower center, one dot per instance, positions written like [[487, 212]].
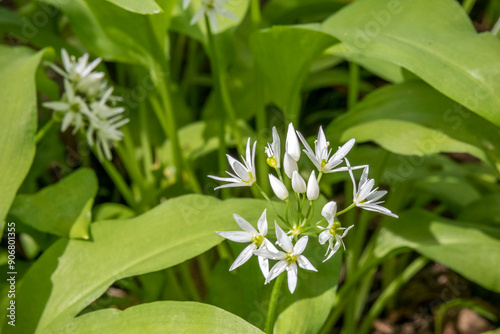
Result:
[[257, 240], [272, 162], [250, 178], [323, 163], [334, 228], [291, 258]]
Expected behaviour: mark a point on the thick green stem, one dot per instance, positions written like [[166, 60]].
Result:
[[44, 130], [255, 14], [467, 5], [346, 209], [391, 291], [353, 93], [271, 312], [222, 87], [118, 180]]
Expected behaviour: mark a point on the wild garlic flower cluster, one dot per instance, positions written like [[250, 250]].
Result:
[[88, 104], [210, 8], [299, 214]]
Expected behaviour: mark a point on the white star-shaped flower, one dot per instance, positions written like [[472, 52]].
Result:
[[333, 232], [244, 173], [365, 196], [256, 238], [106, 131], [273, 150], [211, 8], [76, 69], [320, 157], [288, 259], [73, 107]]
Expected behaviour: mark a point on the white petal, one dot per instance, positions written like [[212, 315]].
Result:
[[212, 18], [300, 245], [377, 208], [276, 145], [349, 169], [312, 187], [292, 277], [185, 4], [292, 143], [225, 12], [225, 179], [289, 165], [329, 211], [376, 195], [365, 189], [264, 266], [233, 185], [269, 246], [346, 230], [236, 236], [244, 256], [265, 253], [278, 187], [324, 236], [305, 264], [283, 239], [298, 183], [246, 226], [56, 105], [276, 270], [364, 176], [262, 224], [306, 145], [198, 15]]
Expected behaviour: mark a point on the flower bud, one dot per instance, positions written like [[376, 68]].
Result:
[[289, 165], [292, 143], [278, 187], [329, 211], [312, 187], [298, 183]]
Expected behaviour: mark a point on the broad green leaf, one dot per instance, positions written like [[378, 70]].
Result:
[[382, 68], [433, 39], [63, 209], [486, 210], [139, 7], [171, 233], [292, 11], [18, 120], [284, 55], [471, 249], [158, 317], [108, 211], [412, 118]]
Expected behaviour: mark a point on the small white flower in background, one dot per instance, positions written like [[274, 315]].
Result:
[[320, 157], [76, 70], [102, 110], [292, 143], [211, 8], [73, 107], [278, 187], [333, 232], [365, 196], [88, 104], [245, 173], [289, 165], [312, 187], [106, 131], [288, 259], [298, 183], [256, 238], [273, 151]]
